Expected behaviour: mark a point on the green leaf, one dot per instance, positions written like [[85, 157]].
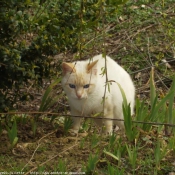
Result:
[[12, 133], [15, 140], [116, 2], [152, 88], [34, 126], [47, 99], [123, 95], [110, 154], [131, 132], [171, 103]]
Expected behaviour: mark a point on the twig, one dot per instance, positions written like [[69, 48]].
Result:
[[149, 55], [31, 156], [50, 159], [149, 67], [3, 64], [37, 148]]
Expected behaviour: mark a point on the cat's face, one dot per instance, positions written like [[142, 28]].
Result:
[[79, 79]]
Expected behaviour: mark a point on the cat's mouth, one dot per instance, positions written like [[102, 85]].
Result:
[[81, 98]]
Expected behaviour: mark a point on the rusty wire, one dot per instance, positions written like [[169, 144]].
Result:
[[92, 117]]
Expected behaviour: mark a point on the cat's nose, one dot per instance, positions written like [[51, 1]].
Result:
[[79, 96]]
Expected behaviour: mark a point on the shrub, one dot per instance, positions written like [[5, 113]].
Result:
[[32, 32], [29, 35]]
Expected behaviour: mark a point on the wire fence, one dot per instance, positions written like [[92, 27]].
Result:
[[91, 117]]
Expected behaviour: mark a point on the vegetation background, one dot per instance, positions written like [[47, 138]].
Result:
[[36, 36]]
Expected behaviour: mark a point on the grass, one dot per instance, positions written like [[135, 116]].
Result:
[[139, 36]]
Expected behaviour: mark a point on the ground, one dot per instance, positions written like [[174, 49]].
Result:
[[138, 37]]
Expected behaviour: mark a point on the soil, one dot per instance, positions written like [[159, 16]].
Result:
[[50, 148]]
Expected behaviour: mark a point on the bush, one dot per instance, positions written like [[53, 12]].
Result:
[[32, 32], [29, 35]]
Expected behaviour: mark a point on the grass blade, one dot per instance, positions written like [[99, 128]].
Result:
[[47, 100], [110, 154], [152, 88], [129, 127], [12, 134]]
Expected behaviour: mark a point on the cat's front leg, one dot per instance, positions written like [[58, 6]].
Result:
[[105, 124], [75, 121], [107, 127]]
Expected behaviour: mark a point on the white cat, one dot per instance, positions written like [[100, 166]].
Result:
[[84, 84]]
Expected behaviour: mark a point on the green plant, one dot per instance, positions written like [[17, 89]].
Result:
[[85, 125], [34, 126], [111, 155], [132, 156], [130, 129], [67, 124], [142, 112], [115, 151], [111, 170], [49, 98], [91, 164], [156, 106], [112, 140], [82, 143], [171, 143], [33, 31], [61, 166], [12, 133], [41, 169], [159, 153], [95, 139]]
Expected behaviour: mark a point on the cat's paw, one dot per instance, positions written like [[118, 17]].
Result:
[[107, 132], [116, 129], [73, 132]]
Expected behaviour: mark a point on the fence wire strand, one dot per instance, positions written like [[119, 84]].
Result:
[[91, 117]]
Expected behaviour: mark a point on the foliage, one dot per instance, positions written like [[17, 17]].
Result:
[[141, 34], [49, 97], [12, 133], [31, 33], [91, 164], [67, 124]]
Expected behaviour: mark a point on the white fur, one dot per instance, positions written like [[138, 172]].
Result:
[[89, 101]]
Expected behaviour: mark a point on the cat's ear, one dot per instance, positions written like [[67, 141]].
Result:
[[68, 67], [91, 67]]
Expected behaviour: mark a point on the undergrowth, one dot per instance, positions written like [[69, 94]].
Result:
[[140, 36]]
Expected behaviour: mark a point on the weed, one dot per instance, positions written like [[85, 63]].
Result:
[[111, 155], [61, 166], [34, 126], [41, 169], [95, 139], [85, 125], [91, 164], [49, 98], [130, 129], [132, 156], [111, 170], [12, 133], [159, 153], [171, 143], [141, 36], [112, 140], [67, 124], [82, 143]]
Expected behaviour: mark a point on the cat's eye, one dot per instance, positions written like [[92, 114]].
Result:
[[72, 86], [86, 86]]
